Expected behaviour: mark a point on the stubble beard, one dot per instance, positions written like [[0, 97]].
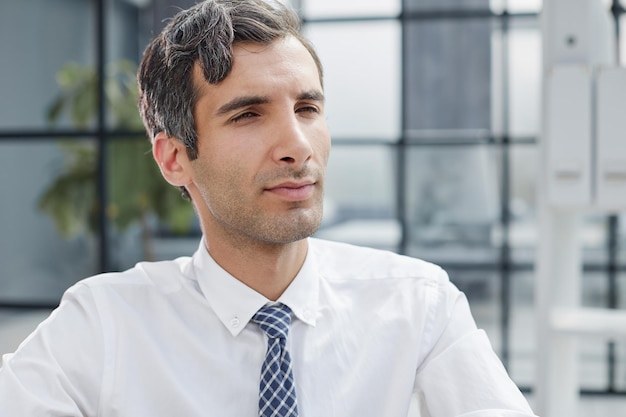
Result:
[[245, 224], [251, 227]]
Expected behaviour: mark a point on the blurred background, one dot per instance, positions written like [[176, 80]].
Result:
[[434, 111]]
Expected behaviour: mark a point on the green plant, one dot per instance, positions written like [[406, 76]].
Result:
[[136, 191]]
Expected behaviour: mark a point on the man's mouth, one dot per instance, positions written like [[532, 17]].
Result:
[[293, 190]]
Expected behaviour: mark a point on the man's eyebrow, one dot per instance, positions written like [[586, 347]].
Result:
[[244, 101], [240, 102], [315, 95]]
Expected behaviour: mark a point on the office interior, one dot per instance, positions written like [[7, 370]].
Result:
[[445, 116]]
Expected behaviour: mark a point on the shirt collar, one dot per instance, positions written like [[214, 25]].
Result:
[[235, 303]]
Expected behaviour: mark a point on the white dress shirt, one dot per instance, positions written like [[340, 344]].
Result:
[[164, 339]]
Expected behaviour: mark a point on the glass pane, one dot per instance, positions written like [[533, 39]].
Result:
[[621, 237], [523, 180], [622, 37], [499, 82], [36, 262], [594, 238], [593, 350], [155, 14], [123, 51], [620, 365], [522, 329], [595, 292], [58, 32], [453, 202], [16, 324], [360, 197], [131, 246], [412, 5], [594, 371], [521, 45], [123, 30], [448, 68], [620, 345], [362, 77], [150, 220], [516, 6], [524, 78], [312, 9], [482, 288]]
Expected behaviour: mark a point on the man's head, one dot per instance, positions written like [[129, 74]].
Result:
[[232, 97], [205, 35]]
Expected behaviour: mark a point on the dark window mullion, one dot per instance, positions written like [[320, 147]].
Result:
[[505, 209], [101, 136], [402, 148], [612, 237]]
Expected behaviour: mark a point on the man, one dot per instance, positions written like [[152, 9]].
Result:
[[262, 320]]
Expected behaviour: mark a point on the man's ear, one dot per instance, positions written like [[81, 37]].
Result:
[[171, 157]]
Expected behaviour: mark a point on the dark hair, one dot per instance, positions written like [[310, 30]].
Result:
[[204, 33]]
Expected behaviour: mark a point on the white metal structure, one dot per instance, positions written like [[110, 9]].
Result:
[[583, 151]]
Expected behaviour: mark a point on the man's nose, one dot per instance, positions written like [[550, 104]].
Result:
[[293, 145]]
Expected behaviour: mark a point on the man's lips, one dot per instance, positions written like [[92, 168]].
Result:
[[293, 191]]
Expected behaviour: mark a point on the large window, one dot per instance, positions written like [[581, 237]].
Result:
[[433, 108]]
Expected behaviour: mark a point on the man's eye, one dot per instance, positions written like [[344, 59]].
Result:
[[308, 109], [243, 116]]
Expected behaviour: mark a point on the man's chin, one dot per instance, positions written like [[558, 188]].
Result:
[[297, 228]]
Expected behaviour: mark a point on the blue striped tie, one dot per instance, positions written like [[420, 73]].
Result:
[[277, 393]]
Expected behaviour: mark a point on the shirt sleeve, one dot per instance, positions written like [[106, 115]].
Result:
[[462, 376], [56, 371]]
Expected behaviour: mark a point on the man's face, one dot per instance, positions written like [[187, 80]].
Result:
[[263, 145]]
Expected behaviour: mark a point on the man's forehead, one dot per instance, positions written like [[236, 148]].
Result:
[[248, 71], [241, 50]]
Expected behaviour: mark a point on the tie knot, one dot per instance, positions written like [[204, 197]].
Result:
[[274, 320]]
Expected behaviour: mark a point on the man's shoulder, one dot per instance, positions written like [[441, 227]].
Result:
[[344, 260], [163, 276]]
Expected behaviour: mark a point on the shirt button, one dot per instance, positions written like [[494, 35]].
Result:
[[234, 322]]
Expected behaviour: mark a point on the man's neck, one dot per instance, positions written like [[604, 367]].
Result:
[[267, 268]]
